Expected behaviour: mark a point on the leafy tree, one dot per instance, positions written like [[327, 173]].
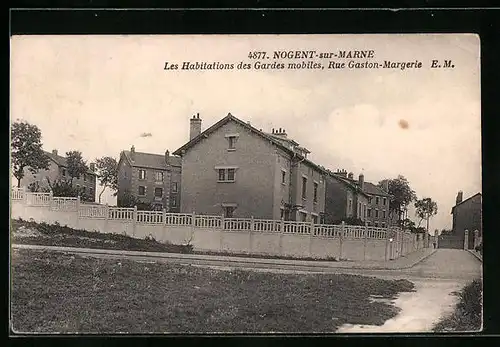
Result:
[[127, 200], [35, 187], [408, 224], [62, 188], [107, 173], [425, 209], [401, 195], [76, 166], [26, 150]]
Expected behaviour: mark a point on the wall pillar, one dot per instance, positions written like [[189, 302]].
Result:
[[466, 239], [365, 240], [311, 235], [282, 230], [223, 229], [341, 239], [436, 238], [250, 235], [106, 218], [476, 238], [134, 221], [77, 212]]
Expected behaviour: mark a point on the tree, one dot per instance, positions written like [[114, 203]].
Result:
[[26, 150], [107, 173], [425, 209], [401, 195], [76, 166], [408, 224], [127, 200]]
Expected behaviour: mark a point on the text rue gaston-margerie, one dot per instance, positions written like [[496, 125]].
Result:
[[307, 60]]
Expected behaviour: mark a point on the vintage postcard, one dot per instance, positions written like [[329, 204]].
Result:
[[245, 184]]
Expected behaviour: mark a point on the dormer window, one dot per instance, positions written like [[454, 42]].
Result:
[[231, 141]]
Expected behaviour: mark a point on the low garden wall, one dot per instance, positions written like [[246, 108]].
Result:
[[216, 233]]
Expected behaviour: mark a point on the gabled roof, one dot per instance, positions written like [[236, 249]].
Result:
[[347, 182], [150, 160], [275, 141], [61, 161], [461, 202], [372, 189]]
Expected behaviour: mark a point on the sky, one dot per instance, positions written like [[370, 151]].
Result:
[[100, 94]]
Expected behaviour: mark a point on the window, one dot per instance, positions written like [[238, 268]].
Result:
[[282, 214], [350, 205], [227, 175], [64, 172], [229, 211], [174, 203], [376, 200], [175, 187], [383, 225], [315, 192], [384, 201], [283, 176], [370, 200], [359, 209], [304, 188], [142, 174], [303, 216], [376, 224], [369, 212], [231, 142], [364, 210], [315, 219], [124, 173], [85, 177], [158, 192], [383, 214], [159, 176], [141, 191], [376, 213]]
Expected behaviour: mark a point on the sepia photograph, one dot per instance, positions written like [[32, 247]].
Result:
[[250, 184]]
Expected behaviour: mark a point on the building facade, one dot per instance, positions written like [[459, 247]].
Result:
[[236, 170], [57, 171], [153, 180], [348, 199], [467, 215]]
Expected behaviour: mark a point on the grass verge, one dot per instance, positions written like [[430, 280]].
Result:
[[57, 292], [27, 232], [467, 314]]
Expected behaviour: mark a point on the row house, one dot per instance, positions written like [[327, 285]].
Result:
[[348, 198], [234, 169], [152, 179], [57, 171], [467, 215]]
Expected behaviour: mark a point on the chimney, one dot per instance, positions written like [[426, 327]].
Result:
[[92, 167], [132, 152], [361, 181], [386, 186], [54, 151], [194, 126], [167, 157], [351, 176], [460, 197]]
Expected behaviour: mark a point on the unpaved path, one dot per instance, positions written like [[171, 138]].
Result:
[[446, 271]]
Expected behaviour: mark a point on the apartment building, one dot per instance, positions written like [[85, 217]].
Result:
[[234, 169], [57, 171], [153, 179]]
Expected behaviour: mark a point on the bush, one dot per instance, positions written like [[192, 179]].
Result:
[[468, 312]]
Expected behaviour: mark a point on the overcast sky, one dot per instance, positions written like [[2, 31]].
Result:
[[98, 94]]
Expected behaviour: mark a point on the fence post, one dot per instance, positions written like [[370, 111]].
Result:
[[106, 217], [476, 238], [25, 196], [51, 200], [466, 239], [223, 229], [365, 240], [134, 221], [341, 239], [77, 212], [280, 241], [311, 234], [252, 228]]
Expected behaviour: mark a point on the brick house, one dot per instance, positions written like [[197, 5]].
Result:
[[349, 198], [58, 171], [153, 179], [467, 215], [344, 198], [234, 169]]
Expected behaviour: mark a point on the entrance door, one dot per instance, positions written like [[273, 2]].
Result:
[[229, 211]]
